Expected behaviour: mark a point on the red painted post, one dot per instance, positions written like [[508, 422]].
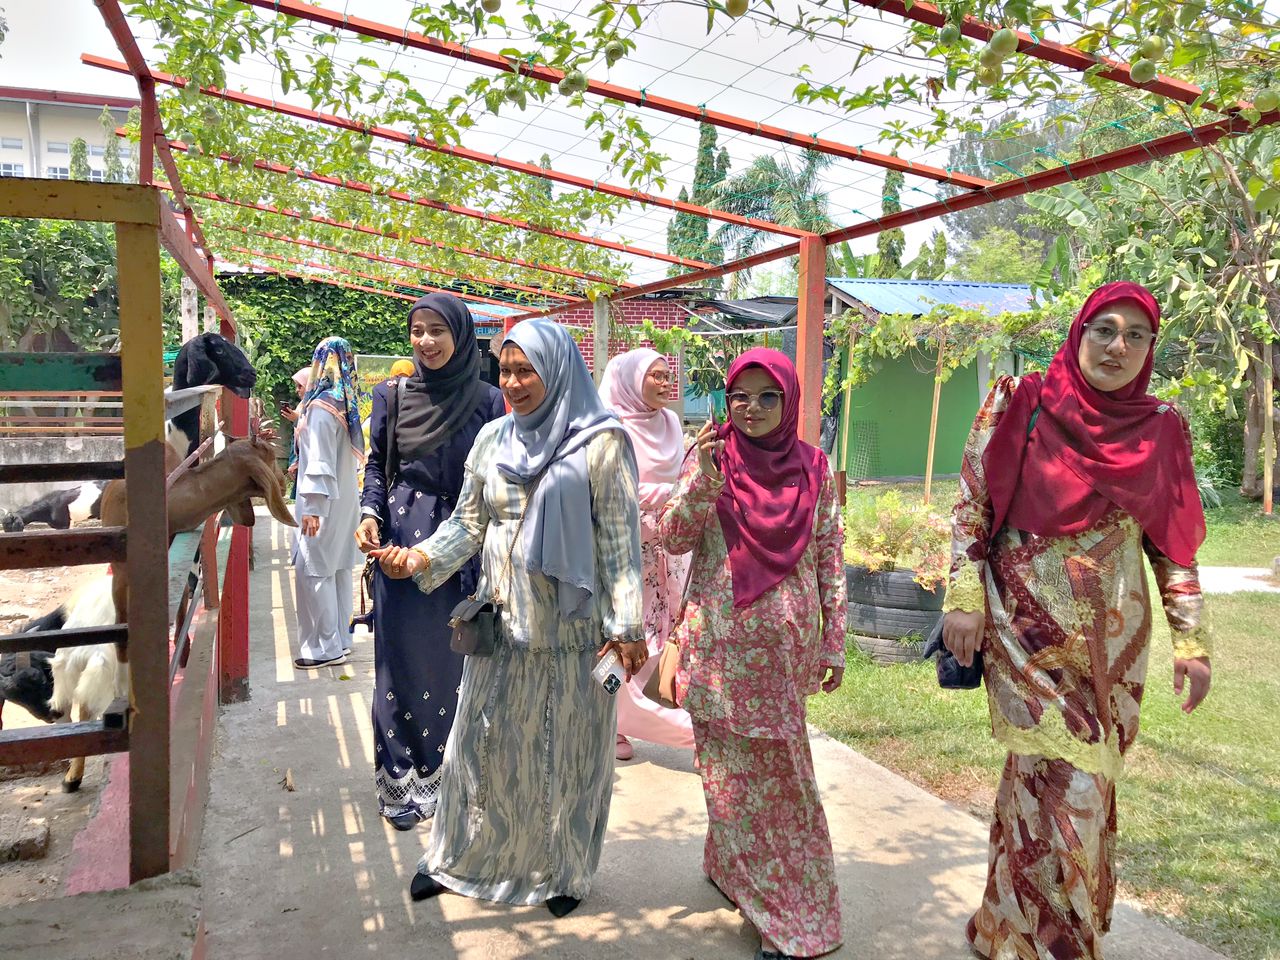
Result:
[[233, 618], [809, 326]]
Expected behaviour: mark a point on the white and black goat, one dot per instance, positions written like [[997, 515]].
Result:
[[59, 508]]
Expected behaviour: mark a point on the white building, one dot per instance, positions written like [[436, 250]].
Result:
[[38, 126]]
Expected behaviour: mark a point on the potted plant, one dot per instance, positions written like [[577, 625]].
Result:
[[897, 555]]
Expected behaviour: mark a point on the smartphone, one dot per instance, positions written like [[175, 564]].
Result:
[[610, 673]]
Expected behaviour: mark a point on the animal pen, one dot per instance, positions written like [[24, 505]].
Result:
[[251, 224]]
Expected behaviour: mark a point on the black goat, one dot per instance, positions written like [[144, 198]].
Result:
[[208, 358], [27, 678], [58, 509]]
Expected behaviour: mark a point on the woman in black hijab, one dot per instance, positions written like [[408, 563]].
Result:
[[420, 434]]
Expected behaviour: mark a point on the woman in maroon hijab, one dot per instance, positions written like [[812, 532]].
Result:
[[762, 629], [1068, 479]]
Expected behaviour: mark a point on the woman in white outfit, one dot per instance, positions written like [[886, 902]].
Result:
[[330, 450]]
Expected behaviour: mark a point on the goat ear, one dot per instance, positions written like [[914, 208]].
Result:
[[268, 483], [193, 366]]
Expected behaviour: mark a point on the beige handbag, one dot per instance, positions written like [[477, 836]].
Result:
[[661, 685]]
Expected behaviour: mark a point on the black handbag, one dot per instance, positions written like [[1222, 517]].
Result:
[[951, 674]]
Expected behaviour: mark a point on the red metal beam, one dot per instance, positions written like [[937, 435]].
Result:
[[402, 197], [65, 96], [420, 241], [1047, 50], [1157, 149], [153, 136], [316, 265], [611, 91], [488, 159], [379, 258]]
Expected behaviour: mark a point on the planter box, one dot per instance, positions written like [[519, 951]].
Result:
[[884, 607]]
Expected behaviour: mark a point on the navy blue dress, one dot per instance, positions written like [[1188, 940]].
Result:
[[417, 676]]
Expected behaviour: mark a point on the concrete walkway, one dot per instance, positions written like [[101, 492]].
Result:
[[315, 872], [1236, 580]]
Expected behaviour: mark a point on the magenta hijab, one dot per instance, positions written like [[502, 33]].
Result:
[[655, 434], [771, 487]]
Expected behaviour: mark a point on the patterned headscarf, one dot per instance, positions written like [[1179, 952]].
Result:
[[333, 389]]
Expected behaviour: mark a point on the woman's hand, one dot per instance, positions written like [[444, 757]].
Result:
[[633, 655], [1199, 673], [399, 563], [367, 534], [962, 633], [709, 447], [310, 526], [835, 677]]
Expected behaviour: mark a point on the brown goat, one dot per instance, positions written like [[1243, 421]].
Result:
[[246, 468]]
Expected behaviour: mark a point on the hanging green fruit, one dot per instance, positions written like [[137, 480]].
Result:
[[990, 57], [491, 6], [613, 52], [949, 35], [1267, 100], [1004, 42], [990, 76], [1142, 71], [1152, 47], [735, 8]]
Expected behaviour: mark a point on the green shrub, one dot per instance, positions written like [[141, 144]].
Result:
[[886, 533]]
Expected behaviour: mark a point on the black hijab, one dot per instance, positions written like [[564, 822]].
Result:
[[438, 402]]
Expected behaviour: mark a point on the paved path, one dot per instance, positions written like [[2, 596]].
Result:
[[1236, 580], [315, 872]]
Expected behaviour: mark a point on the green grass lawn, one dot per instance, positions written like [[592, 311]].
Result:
[[1199, 808]]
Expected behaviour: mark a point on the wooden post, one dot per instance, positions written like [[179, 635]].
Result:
[[190, 309], [233, 619], [933, 421], [210, 319], [599, 337], [846, 420], [141, 355], [809, 325], [1268, 425]]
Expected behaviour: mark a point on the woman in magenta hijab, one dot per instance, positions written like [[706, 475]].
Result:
[[1069, 478], [636, 386], [763, 628]]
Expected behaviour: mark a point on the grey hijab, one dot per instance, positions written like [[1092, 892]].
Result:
[[551, 443]]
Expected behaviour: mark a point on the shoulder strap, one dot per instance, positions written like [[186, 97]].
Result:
[[395, 394]]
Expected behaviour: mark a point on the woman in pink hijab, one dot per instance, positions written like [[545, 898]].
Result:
[[762, 629], [636, 386]]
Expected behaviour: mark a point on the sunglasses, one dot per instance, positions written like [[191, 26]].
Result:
[[765, 399]]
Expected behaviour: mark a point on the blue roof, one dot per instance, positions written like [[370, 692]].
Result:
[[921, 296]]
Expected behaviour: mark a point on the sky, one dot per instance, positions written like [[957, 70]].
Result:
[[748, 71]]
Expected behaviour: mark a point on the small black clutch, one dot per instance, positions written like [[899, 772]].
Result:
[[475, 627], [951, 675]]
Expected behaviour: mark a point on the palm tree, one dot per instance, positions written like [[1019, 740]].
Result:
[[772, 189]]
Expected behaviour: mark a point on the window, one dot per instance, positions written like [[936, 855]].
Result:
[[97, 175], [58, 173], [11, 143], [53, 146], [11, 170], [97, 151]]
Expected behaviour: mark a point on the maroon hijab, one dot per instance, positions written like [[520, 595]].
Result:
[[1089, 449], [771, 487]]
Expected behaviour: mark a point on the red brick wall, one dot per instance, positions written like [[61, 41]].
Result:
[[664, 314]]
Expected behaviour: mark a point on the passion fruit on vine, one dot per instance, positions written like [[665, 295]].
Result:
[[1152, 47], [990, 76], [1004, 42], [613, 52], [949, 35], [491, 6], [1143, 71], [1267, 100], [990, 57], [575, 81], [735, 8]]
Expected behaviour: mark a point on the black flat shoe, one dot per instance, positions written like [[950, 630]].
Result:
[[404, 821], [424, 886], [562, 906], [303, 663]]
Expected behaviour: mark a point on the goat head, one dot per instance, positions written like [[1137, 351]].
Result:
[[212, 358]]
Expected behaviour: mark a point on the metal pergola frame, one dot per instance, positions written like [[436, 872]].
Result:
[[810, 248]]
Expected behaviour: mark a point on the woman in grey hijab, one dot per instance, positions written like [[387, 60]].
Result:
[[550, 498]]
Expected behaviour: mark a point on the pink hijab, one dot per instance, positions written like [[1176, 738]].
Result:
[[655, 434], [771, 488]]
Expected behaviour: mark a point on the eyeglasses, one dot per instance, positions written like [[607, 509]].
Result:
[[1104, 334], [662, 379], [766, 399]]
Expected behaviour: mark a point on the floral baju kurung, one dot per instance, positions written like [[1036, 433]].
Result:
[[1068, 624], [744, 676]]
